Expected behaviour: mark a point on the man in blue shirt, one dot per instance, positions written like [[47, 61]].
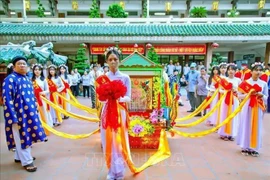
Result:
[[170, 68], [192, 78], [174, 79]]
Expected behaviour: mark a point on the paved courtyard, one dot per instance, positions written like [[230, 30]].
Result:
[[206, 158]]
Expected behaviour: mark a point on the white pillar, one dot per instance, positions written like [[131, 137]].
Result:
[[209, 53], [24, 11], [148, 8]]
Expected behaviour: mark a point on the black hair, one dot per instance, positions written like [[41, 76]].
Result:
[[41, 75], [65, 74], [49, 74], [256, 67], [212, 74], [233, 67], [202, 68], [113, 51], [175, 70], [223, 65]]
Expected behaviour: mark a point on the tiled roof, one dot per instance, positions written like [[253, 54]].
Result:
[[254, 29]]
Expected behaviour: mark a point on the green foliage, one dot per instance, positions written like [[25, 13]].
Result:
[[198, 12], [144, 15], [41, 9], [116, 11], [233, 12], [80, 60], [94, 10], [216, 60], [152, 55]]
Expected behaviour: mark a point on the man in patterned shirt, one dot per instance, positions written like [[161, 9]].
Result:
[[22, 124]]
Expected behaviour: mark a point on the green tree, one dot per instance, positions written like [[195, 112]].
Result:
[[144, 15], [80, 59], [152, 55], [216, 59], [198, 12], [41, 9], [94, 10], [116, 11]]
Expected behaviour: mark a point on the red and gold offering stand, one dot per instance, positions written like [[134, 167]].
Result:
[[148, 141], [145, 78]]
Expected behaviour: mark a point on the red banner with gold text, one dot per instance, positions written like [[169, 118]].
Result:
[[126, 48], [181, 49]]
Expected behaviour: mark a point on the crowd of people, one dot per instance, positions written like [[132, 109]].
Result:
[[226, 78], [24, 107]]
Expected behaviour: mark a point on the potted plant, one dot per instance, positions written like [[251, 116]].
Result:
[[198, 12], [116, 11]]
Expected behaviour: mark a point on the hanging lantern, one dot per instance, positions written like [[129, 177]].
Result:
[[27, 5], [215, 45], [148, 45], [215, 5], [261, 4], [135, 47], [122, 4], [168, 6], [75, 5]]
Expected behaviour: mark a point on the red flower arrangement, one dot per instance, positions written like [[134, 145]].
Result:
[[110, 91]]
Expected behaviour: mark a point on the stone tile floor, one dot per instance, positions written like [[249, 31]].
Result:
[[205, 158]]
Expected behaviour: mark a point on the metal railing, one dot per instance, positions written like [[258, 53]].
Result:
[[134, 20]]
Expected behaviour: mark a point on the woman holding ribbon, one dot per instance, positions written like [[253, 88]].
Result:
[[250, 130], [114, 91], [231, 103], [67, 83], [55, 85], [41, 88], [213, 85]]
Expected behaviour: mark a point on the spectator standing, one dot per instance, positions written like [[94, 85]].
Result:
[[86, 84], [201, 90], [186, 69], [94, 74], [192, 77], [178, 67], [74, 83], [79, 79], [170, 68], [200, 66]]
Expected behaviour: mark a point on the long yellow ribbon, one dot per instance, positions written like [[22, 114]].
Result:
[[78, 105], [228, 126], [204, 133], [60, 110], [204, 104], [254, 125], [72, 97], [204, 117], [58, 114], [162, 153], [66, 135], [42, 117]]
